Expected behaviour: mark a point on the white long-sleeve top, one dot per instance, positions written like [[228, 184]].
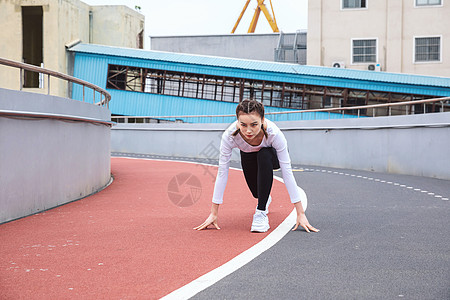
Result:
[[275, 138]]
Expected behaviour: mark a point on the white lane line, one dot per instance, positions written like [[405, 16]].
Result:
[[194, 287], [205, 281], [388, 182]]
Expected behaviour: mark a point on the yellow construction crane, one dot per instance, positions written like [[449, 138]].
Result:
[[261, 7]]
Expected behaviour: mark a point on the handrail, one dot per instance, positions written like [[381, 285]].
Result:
[[27, 114], [329, 110], [28, 67]]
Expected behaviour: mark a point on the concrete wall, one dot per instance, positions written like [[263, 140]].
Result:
[[414, 145], [116, 25], [245, 46], [394, 24], [64, 21], [47, 162]]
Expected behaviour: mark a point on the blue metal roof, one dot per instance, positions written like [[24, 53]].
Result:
[[294, 69]]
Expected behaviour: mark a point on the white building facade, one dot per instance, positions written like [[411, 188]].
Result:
[[400, 36]]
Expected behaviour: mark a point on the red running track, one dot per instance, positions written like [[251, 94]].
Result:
[[130, 240]]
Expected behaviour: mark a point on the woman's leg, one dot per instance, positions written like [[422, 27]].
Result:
[[258, 172], [265, 160], [249, 165]]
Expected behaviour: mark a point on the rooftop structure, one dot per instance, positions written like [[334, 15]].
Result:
[[147, 83], [280, 47]]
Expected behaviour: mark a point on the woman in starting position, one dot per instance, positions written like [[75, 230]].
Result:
[[263, 148]]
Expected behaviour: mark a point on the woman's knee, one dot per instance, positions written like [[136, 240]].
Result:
[[268, 157], [265, 154]]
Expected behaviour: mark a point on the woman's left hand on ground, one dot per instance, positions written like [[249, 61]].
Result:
[[303, 222]]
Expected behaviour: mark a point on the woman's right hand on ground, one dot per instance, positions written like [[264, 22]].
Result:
[[212, 219]]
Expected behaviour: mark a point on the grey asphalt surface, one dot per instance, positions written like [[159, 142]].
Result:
[[377, 240]]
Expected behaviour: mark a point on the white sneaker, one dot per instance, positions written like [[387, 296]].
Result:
[[269, 200], [260, 222]]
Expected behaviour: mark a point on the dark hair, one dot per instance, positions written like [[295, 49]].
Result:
[[248, 106]]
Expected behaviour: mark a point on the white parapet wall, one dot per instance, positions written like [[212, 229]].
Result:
[[50, 160], [413, 145]]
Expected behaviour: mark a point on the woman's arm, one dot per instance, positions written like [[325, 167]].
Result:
[[220, 184], [224, 165], [280, 144]]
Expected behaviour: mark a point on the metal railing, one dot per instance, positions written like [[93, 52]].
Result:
[[442, 103], [105, 97]]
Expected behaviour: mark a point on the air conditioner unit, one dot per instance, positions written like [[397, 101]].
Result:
[[374, 67], [338, 64]]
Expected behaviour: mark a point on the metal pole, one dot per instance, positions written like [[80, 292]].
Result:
[[21, 78], [48, 84], [83, 92]]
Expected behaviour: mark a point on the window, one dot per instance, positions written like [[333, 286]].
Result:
[[364, 51], [234, 89], [427, 49], [202, 86], [428, 2], [327, 101], [354, 4], [32, 32]]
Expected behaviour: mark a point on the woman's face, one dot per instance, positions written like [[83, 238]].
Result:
[[250, 124]]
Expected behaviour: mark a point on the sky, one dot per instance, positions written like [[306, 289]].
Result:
[[202, 17]]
